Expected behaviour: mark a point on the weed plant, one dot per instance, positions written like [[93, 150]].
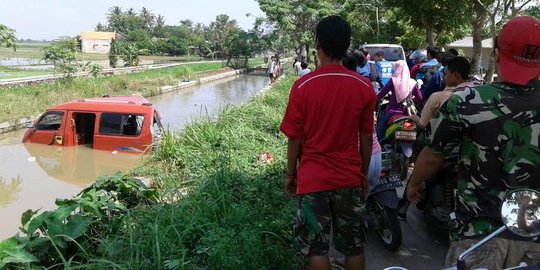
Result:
[[225, 209], [221, 208]]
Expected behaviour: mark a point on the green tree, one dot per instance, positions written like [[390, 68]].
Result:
[[130, 55], [296, 19], [365, 21], [496, 12], [116, 21], [140, 38], [114, 51], [7, 37], [101, 28], [148, 19], [441, 20], [158, 28], [221, 31], [533, 11], [62, 54]]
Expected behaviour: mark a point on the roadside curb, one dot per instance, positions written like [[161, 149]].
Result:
[[23, 122], [105, 72]]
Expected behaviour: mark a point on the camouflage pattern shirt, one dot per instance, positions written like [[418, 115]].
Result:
[[496, 128]]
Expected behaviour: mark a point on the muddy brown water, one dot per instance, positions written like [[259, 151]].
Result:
[[32, 176]]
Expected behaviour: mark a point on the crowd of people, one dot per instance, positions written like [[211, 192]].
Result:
[[333, 152]]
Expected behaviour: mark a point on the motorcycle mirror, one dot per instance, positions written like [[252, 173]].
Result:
[[520, 212]]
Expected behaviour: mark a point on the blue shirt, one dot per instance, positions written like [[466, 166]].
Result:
[[435, 84], [365, 70], [385, 69]]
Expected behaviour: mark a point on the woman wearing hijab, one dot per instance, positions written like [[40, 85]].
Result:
[[400, 87]]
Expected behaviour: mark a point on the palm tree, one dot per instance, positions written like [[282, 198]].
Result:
[[115, 19], [158, 28], [7, 37], [148, 18]]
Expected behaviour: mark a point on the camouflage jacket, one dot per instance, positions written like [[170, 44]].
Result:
[[496, 128]]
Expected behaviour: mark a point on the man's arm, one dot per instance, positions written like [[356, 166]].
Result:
[[427, 112], [522, 221], [294, 148], [426, 166], [384, 91], [373, 73], [366, 145]]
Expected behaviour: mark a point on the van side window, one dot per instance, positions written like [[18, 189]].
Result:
[[50, 121], [121, 124]]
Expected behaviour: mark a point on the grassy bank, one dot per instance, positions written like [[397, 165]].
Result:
[[221, 208], [25, 101], [11, 73], [236, 215]]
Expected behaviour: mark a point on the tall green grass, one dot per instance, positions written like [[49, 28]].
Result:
[[226, 210]]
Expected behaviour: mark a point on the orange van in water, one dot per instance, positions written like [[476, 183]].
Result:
[[123, 123]]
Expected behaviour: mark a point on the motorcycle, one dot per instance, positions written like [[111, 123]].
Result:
[[381, 205], [438, 201], [401, 133], [527, 226]]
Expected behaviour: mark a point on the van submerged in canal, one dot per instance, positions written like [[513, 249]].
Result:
[[122, 123]]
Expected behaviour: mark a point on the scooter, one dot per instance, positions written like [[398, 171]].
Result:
[[382, 203], [401, 133], [527, 225]]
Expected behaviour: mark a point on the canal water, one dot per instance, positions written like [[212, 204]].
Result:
[[33, 176]]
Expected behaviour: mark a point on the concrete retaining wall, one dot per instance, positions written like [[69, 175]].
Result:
[[22, 123]]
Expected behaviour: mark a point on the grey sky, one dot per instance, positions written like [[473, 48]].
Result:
[[49, 19]]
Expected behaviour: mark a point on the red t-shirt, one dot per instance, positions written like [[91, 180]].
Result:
[[327, 109]]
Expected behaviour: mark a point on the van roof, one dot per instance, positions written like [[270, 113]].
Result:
[[381, 45], [132, 104]]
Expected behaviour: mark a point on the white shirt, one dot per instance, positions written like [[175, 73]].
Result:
[[271, 67], [297, 67], [304, 72]]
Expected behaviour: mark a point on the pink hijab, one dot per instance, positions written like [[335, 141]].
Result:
[[403, 84]]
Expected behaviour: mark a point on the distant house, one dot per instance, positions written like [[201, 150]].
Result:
[[466, 44], [96, 42]]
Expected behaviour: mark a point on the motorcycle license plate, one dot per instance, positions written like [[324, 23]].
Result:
[[406, 135], [389, 181]]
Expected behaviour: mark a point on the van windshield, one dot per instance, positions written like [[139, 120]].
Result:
[[390, 53]]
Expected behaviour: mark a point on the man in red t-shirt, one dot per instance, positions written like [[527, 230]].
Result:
[[329, 122]]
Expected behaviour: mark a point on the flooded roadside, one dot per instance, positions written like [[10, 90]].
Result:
[[33, 176]]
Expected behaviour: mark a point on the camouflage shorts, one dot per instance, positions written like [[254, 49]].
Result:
[[339, 211]]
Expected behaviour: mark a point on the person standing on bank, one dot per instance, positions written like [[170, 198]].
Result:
[[329, 120], [495, 128], [271, 67]]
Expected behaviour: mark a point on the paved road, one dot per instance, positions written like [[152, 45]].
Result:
[[418, 251]]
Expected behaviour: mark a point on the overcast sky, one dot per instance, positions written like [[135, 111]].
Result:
[[49, 19]]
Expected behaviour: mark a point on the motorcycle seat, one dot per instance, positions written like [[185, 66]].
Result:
[[397, 117]]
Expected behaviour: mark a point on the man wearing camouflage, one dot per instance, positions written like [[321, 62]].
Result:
[[496, 128]]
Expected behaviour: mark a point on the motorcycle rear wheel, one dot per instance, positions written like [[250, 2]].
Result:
[[403, 166], [390, 229]]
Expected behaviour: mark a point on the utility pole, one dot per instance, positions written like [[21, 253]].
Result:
[[377, 18]]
